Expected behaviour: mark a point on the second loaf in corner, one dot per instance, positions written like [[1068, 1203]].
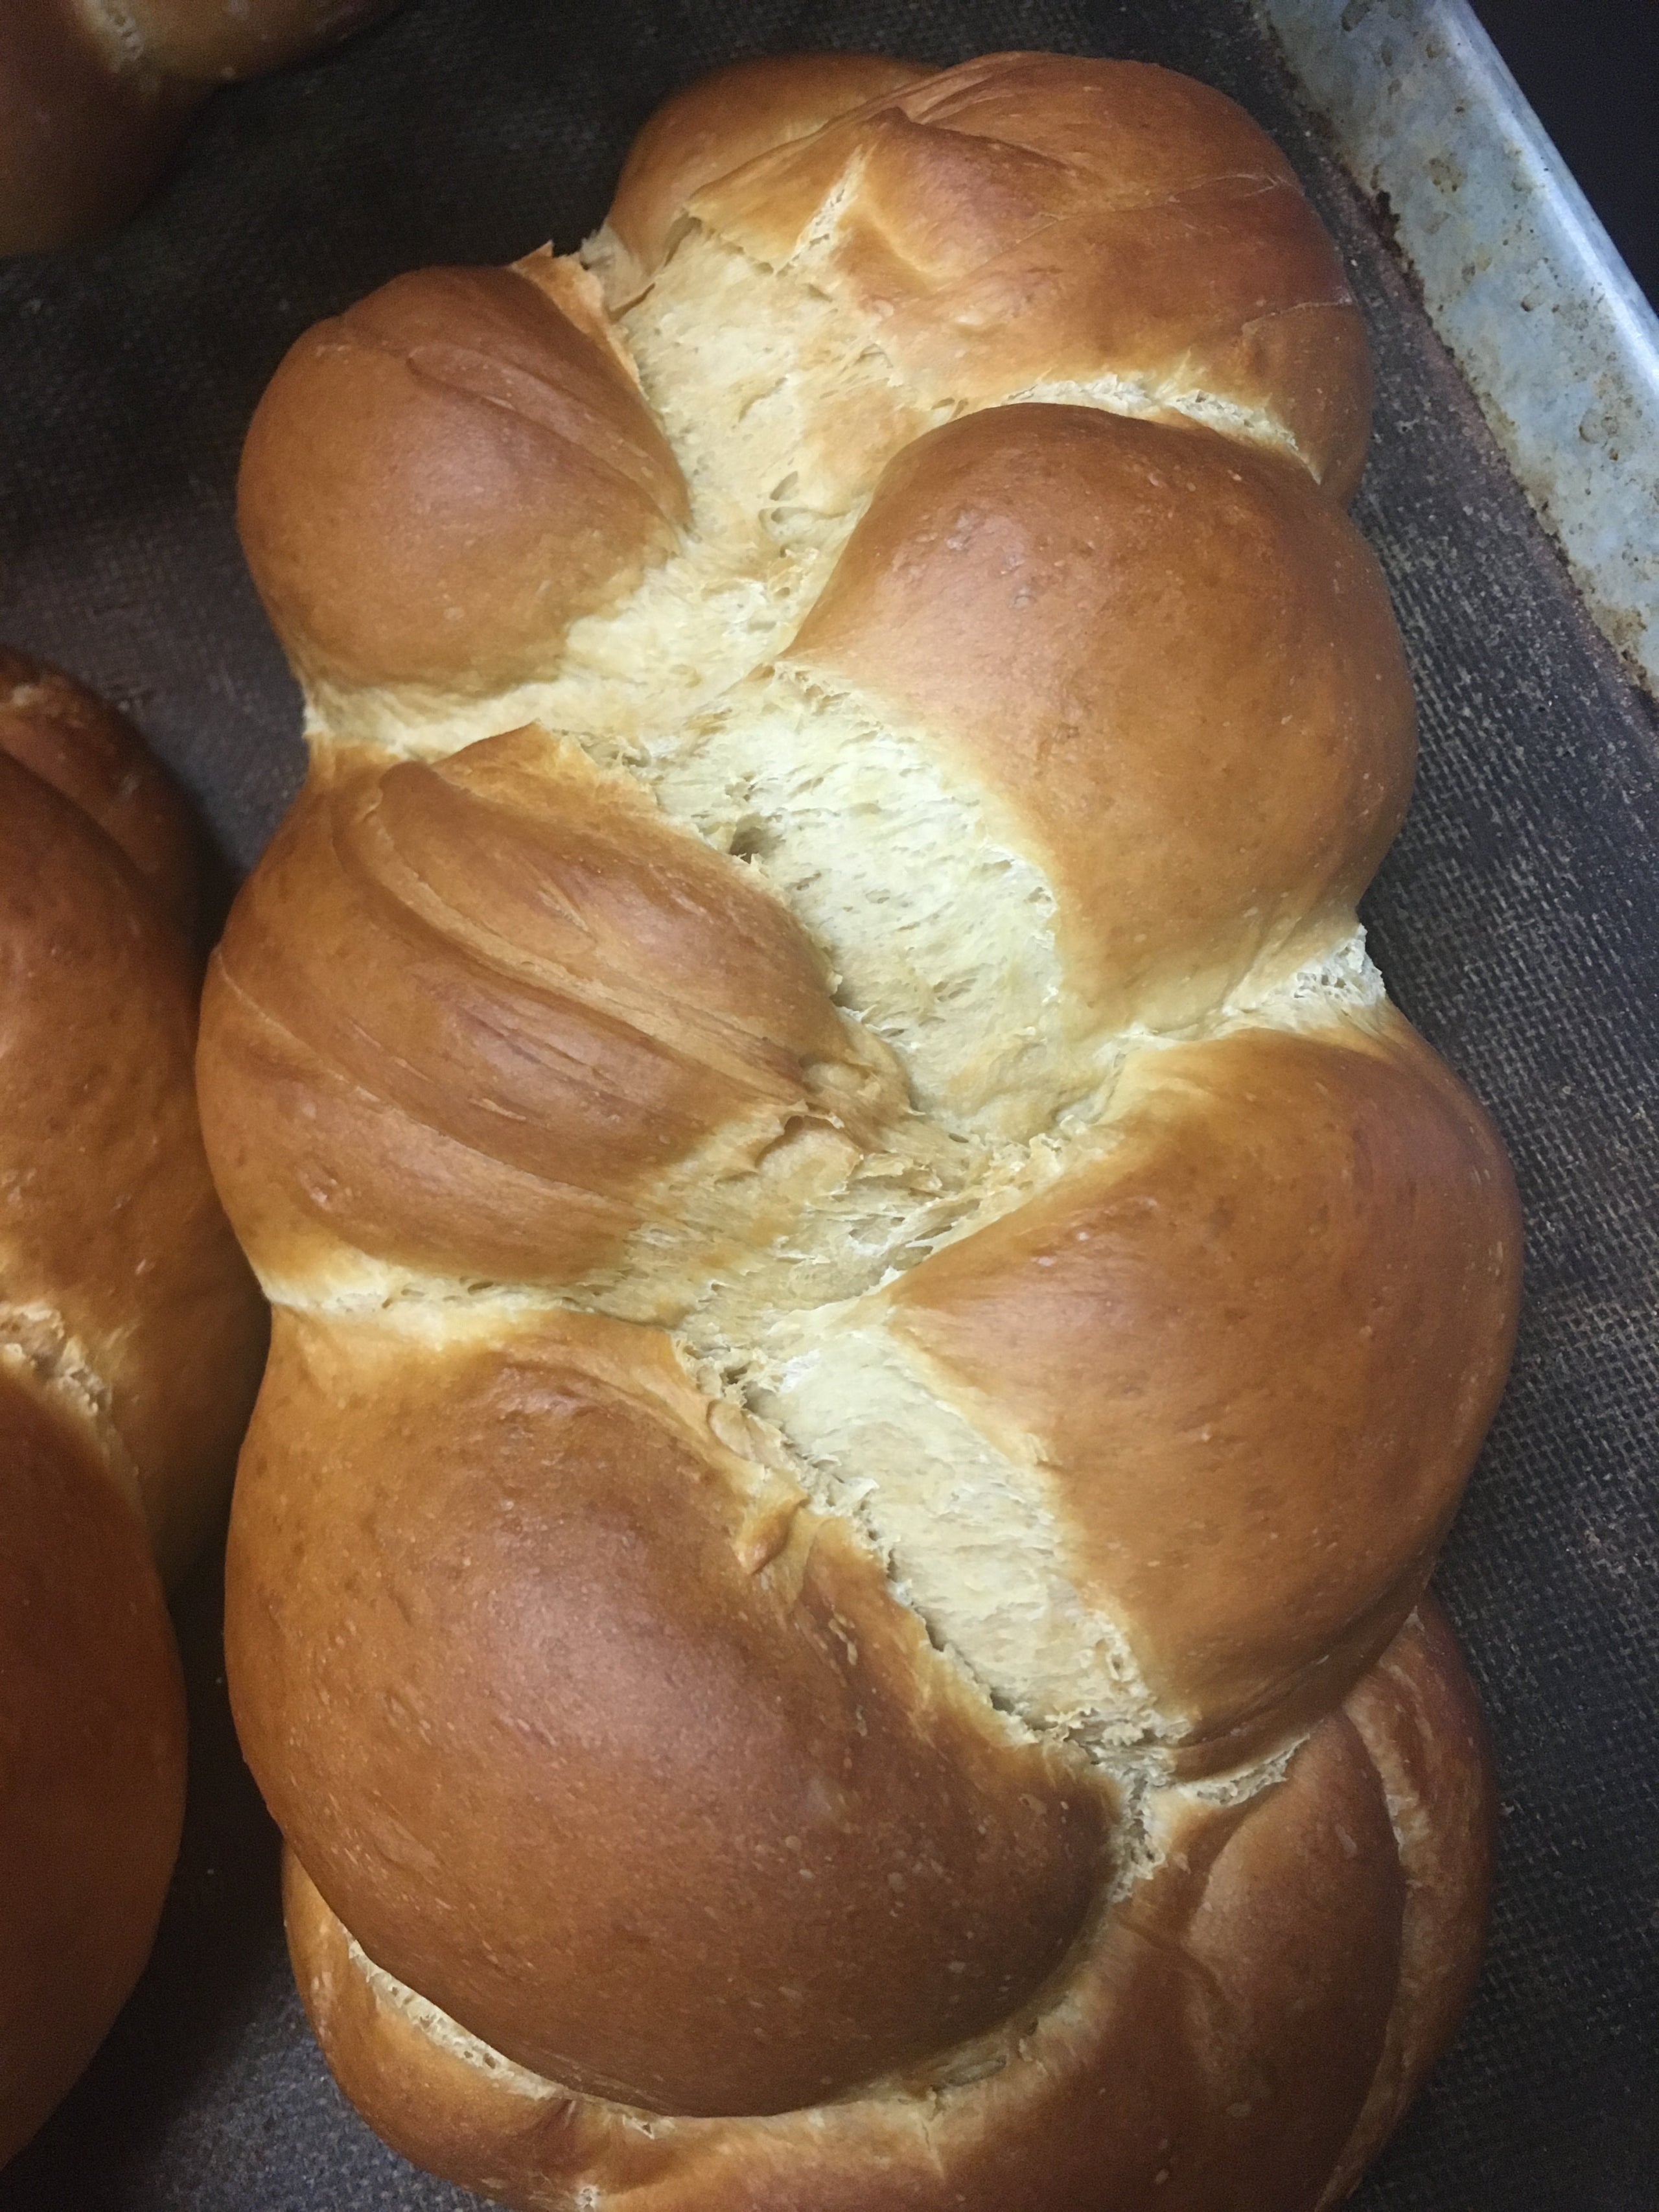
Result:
[[877, 1322], [131, 1337]]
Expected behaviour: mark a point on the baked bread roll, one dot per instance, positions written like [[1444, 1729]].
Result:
[[876, 1321], [131, 1338], [94, 99]]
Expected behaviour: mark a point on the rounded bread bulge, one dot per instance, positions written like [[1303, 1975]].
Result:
[[1035, 218], [875, 1311], [530, 482], [69, 738], [1230, 2017], [95, 99], [131, 1338], [120, 1277], [802, 1869]]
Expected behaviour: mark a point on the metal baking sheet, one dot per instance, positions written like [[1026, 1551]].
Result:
[[1517, 921], [1517, 274]]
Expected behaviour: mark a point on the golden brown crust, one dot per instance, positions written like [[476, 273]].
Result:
[[437, 483], [467, 1016], [1417, 1713], [114, 1258], [1171, 661], [95, 1753], [1231, 2011], [1032, 217], [1261, 1525], [675, 1827], [78, 743], [131, 1338], [82, 143], [727, 118], [95, 101]]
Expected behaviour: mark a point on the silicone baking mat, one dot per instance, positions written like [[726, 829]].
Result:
[[1516, 920]]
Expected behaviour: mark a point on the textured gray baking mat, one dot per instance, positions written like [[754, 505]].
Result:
[[1517, 921]]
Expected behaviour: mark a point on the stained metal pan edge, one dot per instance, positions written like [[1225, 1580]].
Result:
[[1523, 283]]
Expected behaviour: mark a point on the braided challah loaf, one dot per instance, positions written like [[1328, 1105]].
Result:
[[130, 1335], [96, 95], [876, 1321]]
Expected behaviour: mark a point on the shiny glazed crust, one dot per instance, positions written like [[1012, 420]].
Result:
[[130, 1336], [878, 1322], [95, 96], [1229, 2017]]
